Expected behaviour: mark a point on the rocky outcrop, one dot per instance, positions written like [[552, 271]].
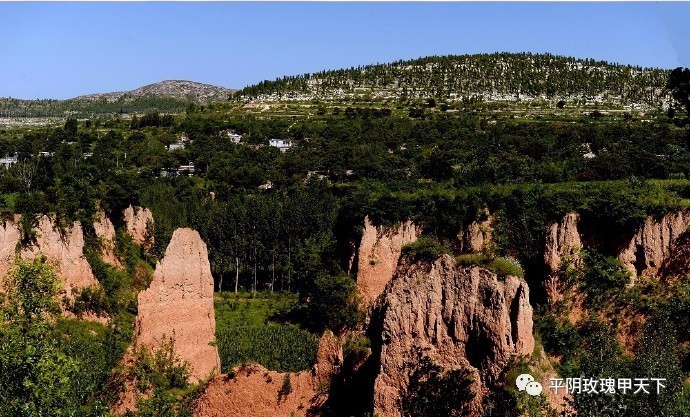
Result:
[[64, 250], [137, 220], [105, 231], [179, 304], [476, 237], [9, 238], [378, 255], [329, 358], [563, 243], [459, 318], [651, 246], [254, 391]]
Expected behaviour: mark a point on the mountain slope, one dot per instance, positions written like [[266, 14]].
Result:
[[178, 89], [170, 96], [488, 77]]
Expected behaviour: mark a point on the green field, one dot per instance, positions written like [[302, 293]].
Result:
[[247, 333]]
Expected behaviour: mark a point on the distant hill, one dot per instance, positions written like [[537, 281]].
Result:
[[177, 89], [166, 96], [488, 77]]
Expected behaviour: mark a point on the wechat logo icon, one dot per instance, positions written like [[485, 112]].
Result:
[[526, 382]]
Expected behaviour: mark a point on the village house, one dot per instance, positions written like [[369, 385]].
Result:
[[174, 146], [9, 160], [234, 137], [282, 144], [187, 170]]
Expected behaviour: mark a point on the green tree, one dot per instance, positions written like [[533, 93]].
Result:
[[36, 378], [679, 86], [435, 392]]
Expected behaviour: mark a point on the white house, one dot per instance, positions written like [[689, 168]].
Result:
[[174, 146], [282, 144], [181, 170], [8, 160], [186, 169], [235, 138]]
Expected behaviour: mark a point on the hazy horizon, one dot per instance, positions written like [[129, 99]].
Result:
[[65, 50]]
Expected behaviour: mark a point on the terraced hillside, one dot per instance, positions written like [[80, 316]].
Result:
[[485, 77]]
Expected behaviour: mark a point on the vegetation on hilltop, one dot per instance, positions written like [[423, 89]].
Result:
[[498, 76]]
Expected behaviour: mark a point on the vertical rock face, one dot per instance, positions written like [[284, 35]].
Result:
[[9, 238], [563, 242], [653, 243], [65, 251], [179, 304], [136, 219], [329, 358], [378, 255], [106, 233], [460, 318], [648, 250], [477, 237]]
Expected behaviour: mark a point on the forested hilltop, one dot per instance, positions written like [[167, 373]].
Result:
[[486, 77]]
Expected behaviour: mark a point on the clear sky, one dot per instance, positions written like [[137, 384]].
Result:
[[62, 50]]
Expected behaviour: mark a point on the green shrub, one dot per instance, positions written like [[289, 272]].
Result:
[[90, 299], [286, 388], [503, 266], [162, 369], [499, 265], [433, 392], [603, 276], [424, 249], [333, 304], [559, 336], [49, 365], [356, 348]]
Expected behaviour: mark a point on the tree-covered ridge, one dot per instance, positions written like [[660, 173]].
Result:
[[497, 76]]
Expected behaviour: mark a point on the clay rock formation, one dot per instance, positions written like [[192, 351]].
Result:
[[476, 237], [651, 246], [646, 253], [9, 238], [460, 318], [329, 358], [64, 251], [254, 391], [137, 219], [378, 255], [179, 304], [563, 243], [105, 231]]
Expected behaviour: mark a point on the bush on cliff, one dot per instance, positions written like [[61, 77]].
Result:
[[499, 265], [603, 276], [424, 249]]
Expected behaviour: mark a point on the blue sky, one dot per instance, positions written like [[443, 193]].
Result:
[[62, 50]]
